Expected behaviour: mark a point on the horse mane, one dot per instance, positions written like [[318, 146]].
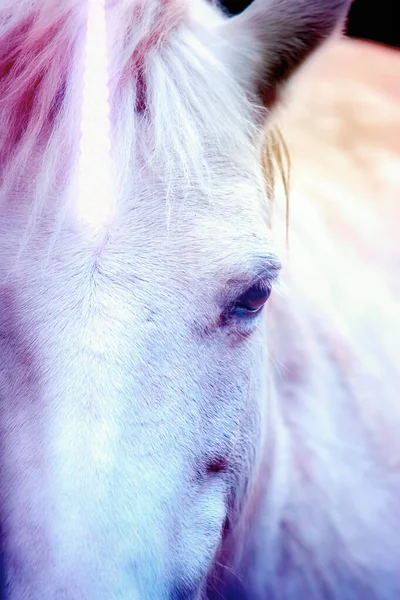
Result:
[[39, 42], [159, 69]]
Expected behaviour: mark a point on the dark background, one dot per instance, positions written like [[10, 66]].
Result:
[[376, 20]]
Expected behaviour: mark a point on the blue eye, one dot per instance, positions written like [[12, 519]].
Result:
[[252, 301]]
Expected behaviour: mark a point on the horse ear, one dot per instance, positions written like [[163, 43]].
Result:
[[272, 38]]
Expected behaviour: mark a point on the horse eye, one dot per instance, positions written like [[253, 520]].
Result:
[[252, 301]]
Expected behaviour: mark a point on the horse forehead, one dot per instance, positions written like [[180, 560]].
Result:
[[223, 225]]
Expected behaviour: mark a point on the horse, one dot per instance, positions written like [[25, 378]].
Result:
[[192, 406]]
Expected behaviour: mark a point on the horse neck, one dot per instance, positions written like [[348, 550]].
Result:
[[324, 502]]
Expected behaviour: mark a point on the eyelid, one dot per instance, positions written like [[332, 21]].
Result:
[[267, 277], [266, 274]]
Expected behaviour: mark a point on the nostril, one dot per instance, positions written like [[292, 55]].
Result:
[[218, 465]]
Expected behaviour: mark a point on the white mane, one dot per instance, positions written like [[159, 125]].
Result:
[[157, 58]]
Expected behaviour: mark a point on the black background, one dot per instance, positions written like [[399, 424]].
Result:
[[377, 20]]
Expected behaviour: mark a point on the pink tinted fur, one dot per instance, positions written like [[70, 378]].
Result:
[[36, 53], [169, 16]]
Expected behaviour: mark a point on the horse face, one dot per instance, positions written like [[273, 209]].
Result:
[[135, 378], [134, 372]]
